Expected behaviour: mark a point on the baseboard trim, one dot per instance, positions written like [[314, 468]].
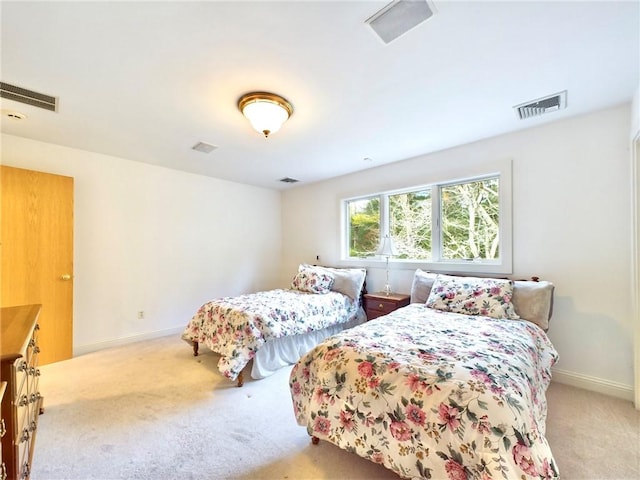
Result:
[[594, 384], [116, 342]]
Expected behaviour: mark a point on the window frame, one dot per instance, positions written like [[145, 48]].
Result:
[[503, 265]]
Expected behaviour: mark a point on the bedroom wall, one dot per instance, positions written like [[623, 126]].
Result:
[[571, 204], [156, 240]]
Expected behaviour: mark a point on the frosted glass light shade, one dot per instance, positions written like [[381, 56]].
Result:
[[387, 248], [265, 111]]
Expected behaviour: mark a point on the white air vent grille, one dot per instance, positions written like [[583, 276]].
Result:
[[29, 97], [399, 17], [534, 108], [204, 147]]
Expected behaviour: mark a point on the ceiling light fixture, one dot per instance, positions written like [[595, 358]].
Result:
[[265, 111]]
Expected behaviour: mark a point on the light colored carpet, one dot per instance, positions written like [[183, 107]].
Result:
[[151, 410]]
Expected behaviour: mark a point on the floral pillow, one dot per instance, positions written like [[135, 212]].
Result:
[[312, 281], [348, 281], [490, 297]]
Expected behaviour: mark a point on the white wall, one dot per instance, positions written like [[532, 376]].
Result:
[[153, 239], [571, 210]]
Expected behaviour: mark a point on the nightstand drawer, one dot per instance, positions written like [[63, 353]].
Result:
[[378, 304], [382, 306]]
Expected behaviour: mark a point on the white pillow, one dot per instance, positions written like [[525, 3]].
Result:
[[421, 286]]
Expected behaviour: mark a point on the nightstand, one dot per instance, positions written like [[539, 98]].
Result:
[[379, 303]]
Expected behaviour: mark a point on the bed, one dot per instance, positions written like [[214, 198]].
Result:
[[451, 386], [275, 328]]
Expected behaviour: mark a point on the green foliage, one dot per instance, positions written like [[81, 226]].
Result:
[[364, 227]]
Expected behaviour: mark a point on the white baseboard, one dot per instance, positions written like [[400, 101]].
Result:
[[94, 347], [594, 384]]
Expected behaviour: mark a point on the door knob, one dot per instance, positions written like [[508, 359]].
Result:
[[66, 276]]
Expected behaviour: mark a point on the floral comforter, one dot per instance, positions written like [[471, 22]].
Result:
[[236, 327], [432, 394]]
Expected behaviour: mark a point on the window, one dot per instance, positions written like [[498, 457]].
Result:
[[456, 226], [470, 219], [364, 226]]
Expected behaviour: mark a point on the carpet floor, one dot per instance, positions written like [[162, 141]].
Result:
[[151, 410]]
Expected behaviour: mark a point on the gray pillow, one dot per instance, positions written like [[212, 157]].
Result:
[[533, 301]]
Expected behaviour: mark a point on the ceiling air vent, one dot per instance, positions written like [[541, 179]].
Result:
[[29, 97], [204, 147], [399, 17], [289, 180], [534, 108]]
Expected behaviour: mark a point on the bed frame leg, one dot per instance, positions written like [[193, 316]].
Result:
[[240, 380], [195, 349], [315, 440]]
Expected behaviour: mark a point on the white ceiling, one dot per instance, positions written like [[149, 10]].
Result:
[[148, 80]]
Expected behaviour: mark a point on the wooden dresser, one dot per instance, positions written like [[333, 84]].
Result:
[[22, 402]]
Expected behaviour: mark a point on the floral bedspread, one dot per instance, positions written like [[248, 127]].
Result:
[[433, 394], [236, 327]]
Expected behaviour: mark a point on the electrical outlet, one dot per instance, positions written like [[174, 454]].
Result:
[[140, 314]]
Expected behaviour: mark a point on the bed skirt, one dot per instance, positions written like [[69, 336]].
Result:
[[280, 352]]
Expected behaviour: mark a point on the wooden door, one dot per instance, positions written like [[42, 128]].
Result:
[[36, 233]]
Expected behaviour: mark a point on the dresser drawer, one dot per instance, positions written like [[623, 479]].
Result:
[[19, 376]]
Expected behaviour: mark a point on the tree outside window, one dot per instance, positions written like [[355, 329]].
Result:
[[470, 217], [410, 224], [364, 226]]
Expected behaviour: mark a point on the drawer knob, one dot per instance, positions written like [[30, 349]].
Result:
[[3, 429], [381, 306]]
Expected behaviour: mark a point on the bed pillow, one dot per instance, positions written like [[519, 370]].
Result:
[[421, 286], [312, 281], [490, 297], [348, 281], [533, 301]]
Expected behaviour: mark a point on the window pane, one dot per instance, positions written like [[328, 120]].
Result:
[[364, 226], [410, 224], [470, 220]]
